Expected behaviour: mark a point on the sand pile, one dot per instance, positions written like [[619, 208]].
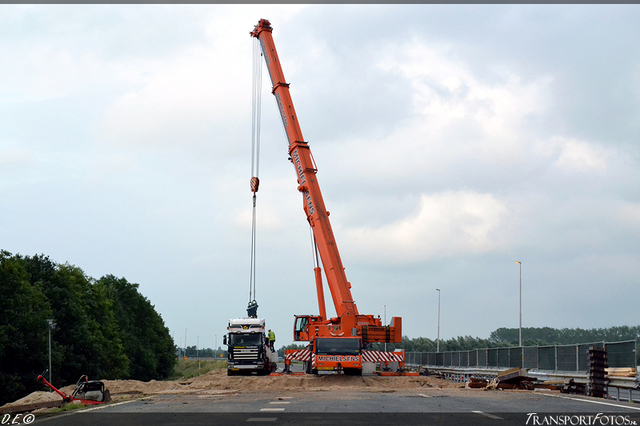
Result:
[[217, 381]]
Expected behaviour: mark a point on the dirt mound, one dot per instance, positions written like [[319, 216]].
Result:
[[35, 397], [217, 381]]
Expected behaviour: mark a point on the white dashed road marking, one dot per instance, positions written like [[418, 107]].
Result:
[[491, 416]]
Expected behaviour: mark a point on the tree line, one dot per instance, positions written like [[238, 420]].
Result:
[[194, 352], [104, 328], [509, 337], [566, 336]]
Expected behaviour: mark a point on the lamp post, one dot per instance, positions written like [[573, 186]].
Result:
[[185, 342], [520, 327], [438, 341], [52, 325]]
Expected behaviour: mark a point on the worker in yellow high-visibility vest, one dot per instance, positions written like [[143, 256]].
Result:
[[272, 339]]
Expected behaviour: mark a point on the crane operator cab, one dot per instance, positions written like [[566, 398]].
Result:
[[302, 330]]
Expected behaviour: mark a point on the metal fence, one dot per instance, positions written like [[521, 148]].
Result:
[[555, 358]]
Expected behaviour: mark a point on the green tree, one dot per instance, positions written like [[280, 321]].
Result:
[[145, 338], [23, 330], [292, 346], [105, 329], [86, 340]]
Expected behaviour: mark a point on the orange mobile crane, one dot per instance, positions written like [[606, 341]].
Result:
[[339, 343]]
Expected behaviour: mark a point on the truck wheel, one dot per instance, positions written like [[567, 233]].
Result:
[[231, 373]]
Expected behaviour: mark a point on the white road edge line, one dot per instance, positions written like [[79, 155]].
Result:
[[81, 410], [424, 396], [491, 416], [280, 402], [593, 402], [99, 407], [272, 409]]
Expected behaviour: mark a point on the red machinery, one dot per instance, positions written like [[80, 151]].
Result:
[[338, 343], [86, 392]]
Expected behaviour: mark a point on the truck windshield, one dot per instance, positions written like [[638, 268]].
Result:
[[337, 346], [249, 339]]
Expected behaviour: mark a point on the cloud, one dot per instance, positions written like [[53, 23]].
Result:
[[199, 95], [463, 132], [447, 224], [447, 93], [448, 146], [15, 157], [580, 156], [629, 214]]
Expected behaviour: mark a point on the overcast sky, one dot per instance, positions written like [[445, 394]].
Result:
[[450, 140]]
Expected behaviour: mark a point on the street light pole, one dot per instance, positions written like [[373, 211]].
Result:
[[52, 325], [520, 327], [438, 344], [185, 342]]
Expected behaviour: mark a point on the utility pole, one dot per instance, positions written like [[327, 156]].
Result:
[[52, 325], [438, 341], [520, 327], [185, 342]]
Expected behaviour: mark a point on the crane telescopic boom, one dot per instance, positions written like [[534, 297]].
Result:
[[302, 159], [349, 323]]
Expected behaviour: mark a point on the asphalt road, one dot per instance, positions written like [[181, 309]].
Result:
[[354, 408]]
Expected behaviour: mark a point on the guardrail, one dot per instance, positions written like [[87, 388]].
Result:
[[555, 358], [544, 363]]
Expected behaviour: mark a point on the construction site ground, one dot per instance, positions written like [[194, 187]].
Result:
[[283, 396], [217, 382]]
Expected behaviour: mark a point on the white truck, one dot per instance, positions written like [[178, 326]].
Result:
[[247, 349]]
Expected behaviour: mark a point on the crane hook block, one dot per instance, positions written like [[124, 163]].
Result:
[[252, 309], [255, 182]]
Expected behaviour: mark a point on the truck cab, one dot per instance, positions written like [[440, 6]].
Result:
[[247, 350]]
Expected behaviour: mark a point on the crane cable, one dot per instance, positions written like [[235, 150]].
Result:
[[252, 308]]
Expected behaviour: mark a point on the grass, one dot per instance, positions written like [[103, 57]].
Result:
[[189, 368], [62, 409]]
